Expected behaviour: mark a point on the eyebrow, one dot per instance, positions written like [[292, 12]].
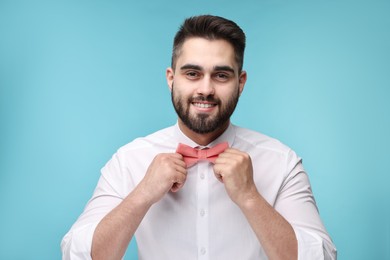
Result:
[[224, 68], [216, 68], [191, 67]]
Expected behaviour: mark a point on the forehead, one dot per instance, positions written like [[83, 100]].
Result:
[[206, 53]]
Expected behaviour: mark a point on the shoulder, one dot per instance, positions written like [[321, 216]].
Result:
[[267, 152], [254, 140], [159, 138]]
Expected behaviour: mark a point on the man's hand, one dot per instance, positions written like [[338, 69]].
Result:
[[115, 230], [234, 169], [166, 172]]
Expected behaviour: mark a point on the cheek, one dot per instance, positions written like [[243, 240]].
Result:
[[227, 95], [183, 93], [179, 96]]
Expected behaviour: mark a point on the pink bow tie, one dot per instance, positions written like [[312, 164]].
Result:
[[193, 155]]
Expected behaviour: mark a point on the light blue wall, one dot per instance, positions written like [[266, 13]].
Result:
[[79, 79]]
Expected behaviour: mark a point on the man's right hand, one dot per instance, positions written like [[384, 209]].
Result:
[[114, 232], [167, 172]]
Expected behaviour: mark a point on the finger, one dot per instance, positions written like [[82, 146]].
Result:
[[180, 166], [230, 152], [219, 177], [233, 155], [180, 162], [177, 186], [178, 156], [225, 159], [178, 183], [218, 172]]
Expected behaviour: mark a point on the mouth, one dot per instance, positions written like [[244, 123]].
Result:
[[203, 104], [204, 107]]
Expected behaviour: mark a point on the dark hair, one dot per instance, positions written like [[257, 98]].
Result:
[[212, 28]]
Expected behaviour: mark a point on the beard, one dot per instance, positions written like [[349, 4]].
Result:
[[203, 123]]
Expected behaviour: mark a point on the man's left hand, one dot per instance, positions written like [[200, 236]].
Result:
[[234, 169]]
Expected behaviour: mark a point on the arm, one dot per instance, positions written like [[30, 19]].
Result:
[[276, 235], [110, 219], [114, 232], [291, 228], [297, 204]]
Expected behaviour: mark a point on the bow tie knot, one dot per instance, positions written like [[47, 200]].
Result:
[[193, 155]]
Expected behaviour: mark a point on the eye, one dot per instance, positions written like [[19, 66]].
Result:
[[192, 74], [222, 76]]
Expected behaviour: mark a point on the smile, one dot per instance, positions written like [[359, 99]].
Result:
[[204, 105]]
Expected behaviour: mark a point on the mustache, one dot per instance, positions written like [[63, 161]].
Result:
[[205, 98]]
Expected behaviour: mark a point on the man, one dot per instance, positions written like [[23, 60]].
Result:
[[252, 201]]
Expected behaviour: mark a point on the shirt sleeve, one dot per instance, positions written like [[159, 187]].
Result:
[[312, 246], [297, 205], [77, 243]]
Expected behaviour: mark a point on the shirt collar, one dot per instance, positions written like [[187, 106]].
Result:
[[227, 136]]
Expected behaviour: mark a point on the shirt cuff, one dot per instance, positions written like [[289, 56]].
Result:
[[312, 246], [77, 244]]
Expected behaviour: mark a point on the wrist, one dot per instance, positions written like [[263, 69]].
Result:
[[250, 200], [141, 198]]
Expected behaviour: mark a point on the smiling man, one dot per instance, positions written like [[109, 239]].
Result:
[[203, 188], [205, 83]]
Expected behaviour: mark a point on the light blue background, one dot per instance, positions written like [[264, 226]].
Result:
[[79, 79]]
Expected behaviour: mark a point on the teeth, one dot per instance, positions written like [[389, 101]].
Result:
[[202, 105]]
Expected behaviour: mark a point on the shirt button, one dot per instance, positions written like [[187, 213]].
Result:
[[202, 212], [202, 176], [203, 250]]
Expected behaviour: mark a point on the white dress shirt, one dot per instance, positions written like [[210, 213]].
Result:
[[200, 221]]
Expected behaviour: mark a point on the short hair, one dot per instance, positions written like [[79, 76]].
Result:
[[211, 28]]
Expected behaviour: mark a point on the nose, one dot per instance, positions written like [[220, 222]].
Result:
[[206, 87]]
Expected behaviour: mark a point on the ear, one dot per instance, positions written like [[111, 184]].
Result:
[[170, 76], [242, 80]]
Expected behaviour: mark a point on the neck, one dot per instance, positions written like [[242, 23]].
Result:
[[202, 139]]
